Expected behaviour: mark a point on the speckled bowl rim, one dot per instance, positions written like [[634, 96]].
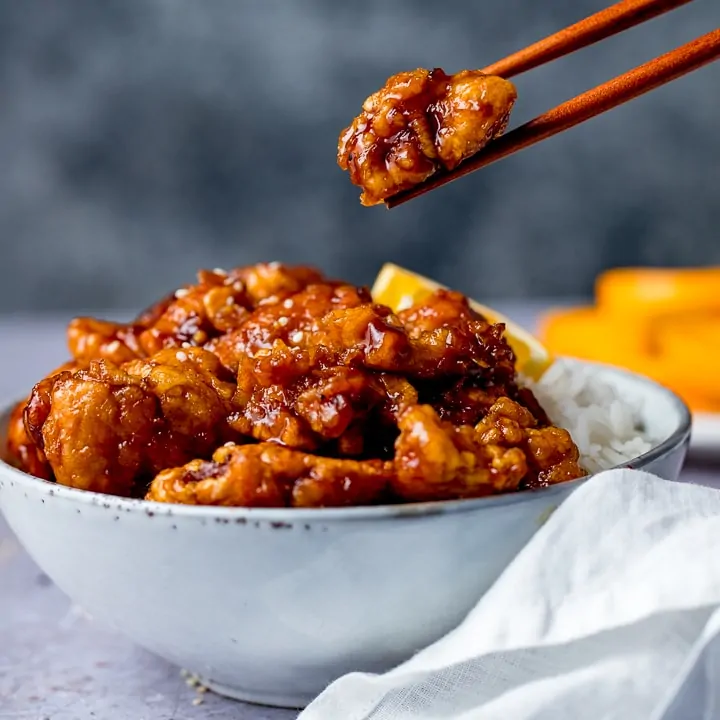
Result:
[[679, 435]]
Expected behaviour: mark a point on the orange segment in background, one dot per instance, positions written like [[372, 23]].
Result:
[[680, 313], [640, 327], [649, 291], [588, 334], [685, 338], [399, 288]]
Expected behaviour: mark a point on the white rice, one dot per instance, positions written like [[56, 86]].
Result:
[[607, 427]]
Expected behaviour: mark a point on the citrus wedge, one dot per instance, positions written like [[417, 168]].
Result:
[[649, 292], [680, 354], [399, 289]]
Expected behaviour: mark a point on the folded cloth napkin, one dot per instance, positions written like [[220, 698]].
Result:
[[610, 611]]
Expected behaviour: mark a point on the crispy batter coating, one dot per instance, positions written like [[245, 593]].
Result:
[[92, 339], [325, 398], [436, 460], [20, 449], [291, 320], [111, 428], [269, 475], [447, 315], [439, 461], [217, 303], [221, 302], [283, 397], [419, 122], [291, 388], [194, 315], [551, 453], [337, 372], [271, 282], [457, 345]]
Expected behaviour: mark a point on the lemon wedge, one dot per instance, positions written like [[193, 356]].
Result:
[[399, 289]]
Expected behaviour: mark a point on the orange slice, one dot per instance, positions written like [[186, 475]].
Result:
[[678, 355], [399, 289], [658, 291], [589, 334]]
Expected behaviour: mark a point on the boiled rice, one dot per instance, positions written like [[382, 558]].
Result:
[[606, 426]]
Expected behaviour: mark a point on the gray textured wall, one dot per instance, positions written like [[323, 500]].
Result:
[[141, 139]]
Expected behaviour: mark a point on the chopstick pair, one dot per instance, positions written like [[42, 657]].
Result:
[[632, 84]]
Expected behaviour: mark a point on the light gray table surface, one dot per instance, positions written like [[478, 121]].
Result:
[[58, 664]]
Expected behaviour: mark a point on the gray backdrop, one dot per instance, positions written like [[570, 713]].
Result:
[[141, 139]]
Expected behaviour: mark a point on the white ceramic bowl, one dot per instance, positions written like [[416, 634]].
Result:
[[271, 605]]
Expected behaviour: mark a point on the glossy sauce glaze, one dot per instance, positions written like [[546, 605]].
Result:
[[291, 390], [419, 122]]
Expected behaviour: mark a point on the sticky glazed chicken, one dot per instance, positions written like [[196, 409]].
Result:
[[274, 386], [422, 121], [111, 428]]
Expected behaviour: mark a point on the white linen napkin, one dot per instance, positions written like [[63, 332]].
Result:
[[610, 611]]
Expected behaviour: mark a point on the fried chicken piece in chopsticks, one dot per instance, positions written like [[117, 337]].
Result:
[[422, 121]]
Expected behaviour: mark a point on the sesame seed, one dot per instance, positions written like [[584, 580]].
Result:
[[186, 345], [181, 356], [114, 345], [181, 293], [230, 443], [283, 321], [274, 265], [220, 271], [288, 304], [197, 701], [296, 337], [230, 301]]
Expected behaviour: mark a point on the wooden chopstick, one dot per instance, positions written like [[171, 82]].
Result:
[[632, 84], [604, 24]]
